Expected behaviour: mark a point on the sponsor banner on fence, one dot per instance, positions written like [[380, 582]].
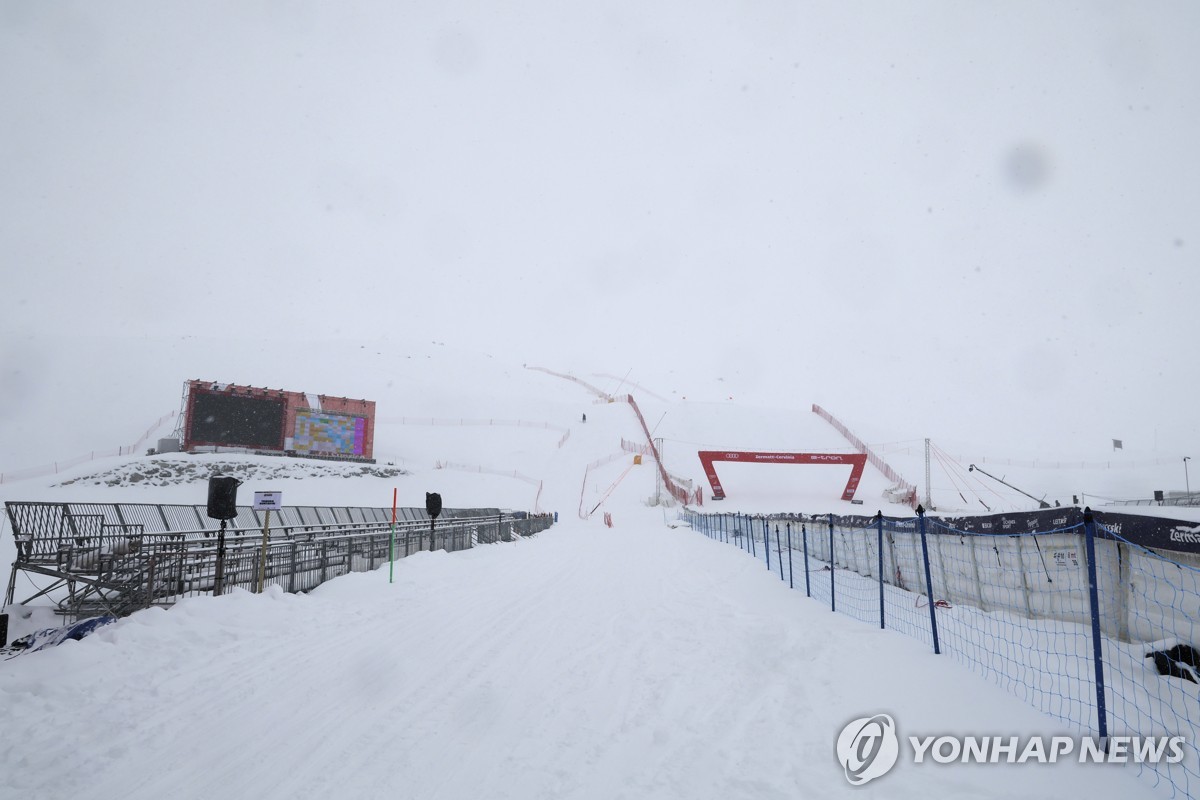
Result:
[[1156, 533], [1045, 521]]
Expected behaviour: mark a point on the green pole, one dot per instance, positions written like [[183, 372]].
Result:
[[392, 541]]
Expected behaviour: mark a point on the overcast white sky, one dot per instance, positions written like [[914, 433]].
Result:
[[974, 214]]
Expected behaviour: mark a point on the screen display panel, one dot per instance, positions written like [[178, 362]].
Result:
[[219, 418], [329, 434]]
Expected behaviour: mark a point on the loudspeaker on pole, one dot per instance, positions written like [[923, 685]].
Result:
[[222, 497], [433, 504]]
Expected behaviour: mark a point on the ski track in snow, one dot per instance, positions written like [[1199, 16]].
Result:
[[586, 663]]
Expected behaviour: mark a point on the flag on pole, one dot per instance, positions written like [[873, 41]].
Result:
[[1117, 444]]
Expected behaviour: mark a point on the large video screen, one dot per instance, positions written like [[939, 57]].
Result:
[[326, 433], [237, 421]]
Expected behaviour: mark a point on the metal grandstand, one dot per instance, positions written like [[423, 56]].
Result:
[[116, 558]]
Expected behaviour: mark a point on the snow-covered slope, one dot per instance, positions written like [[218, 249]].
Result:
[[484, 429], [586, 663], [633, 661]]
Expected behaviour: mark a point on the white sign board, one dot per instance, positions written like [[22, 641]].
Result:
[[1066, 558], [268, 501]]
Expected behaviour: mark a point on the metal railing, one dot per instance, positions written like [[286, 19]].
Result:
[[1177, 500], [118, 558]]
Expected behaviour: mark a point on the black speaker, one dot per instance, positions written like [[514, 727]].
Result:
[[433, 504], [222, 497]]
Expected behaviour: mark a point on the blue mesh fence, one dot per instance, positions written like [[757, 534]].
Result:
[[1018, 599], [1150, 608], [1015, 607]]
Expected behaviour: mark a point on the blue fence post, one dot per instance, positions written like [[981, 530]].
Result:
[[807, 580], [779, 551], [832, 564], [928, 579], [750, 535], [1089, 535], [791, 581], [767, 541], [879, 522]]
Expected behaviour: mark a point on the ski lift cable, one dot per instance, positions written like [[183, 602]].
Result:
[[950, 474], [950, 467], [978, 480], [972, 477]]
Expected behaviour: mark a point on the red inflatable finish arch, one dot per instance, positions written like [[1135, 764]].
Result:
[[857, 462]]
